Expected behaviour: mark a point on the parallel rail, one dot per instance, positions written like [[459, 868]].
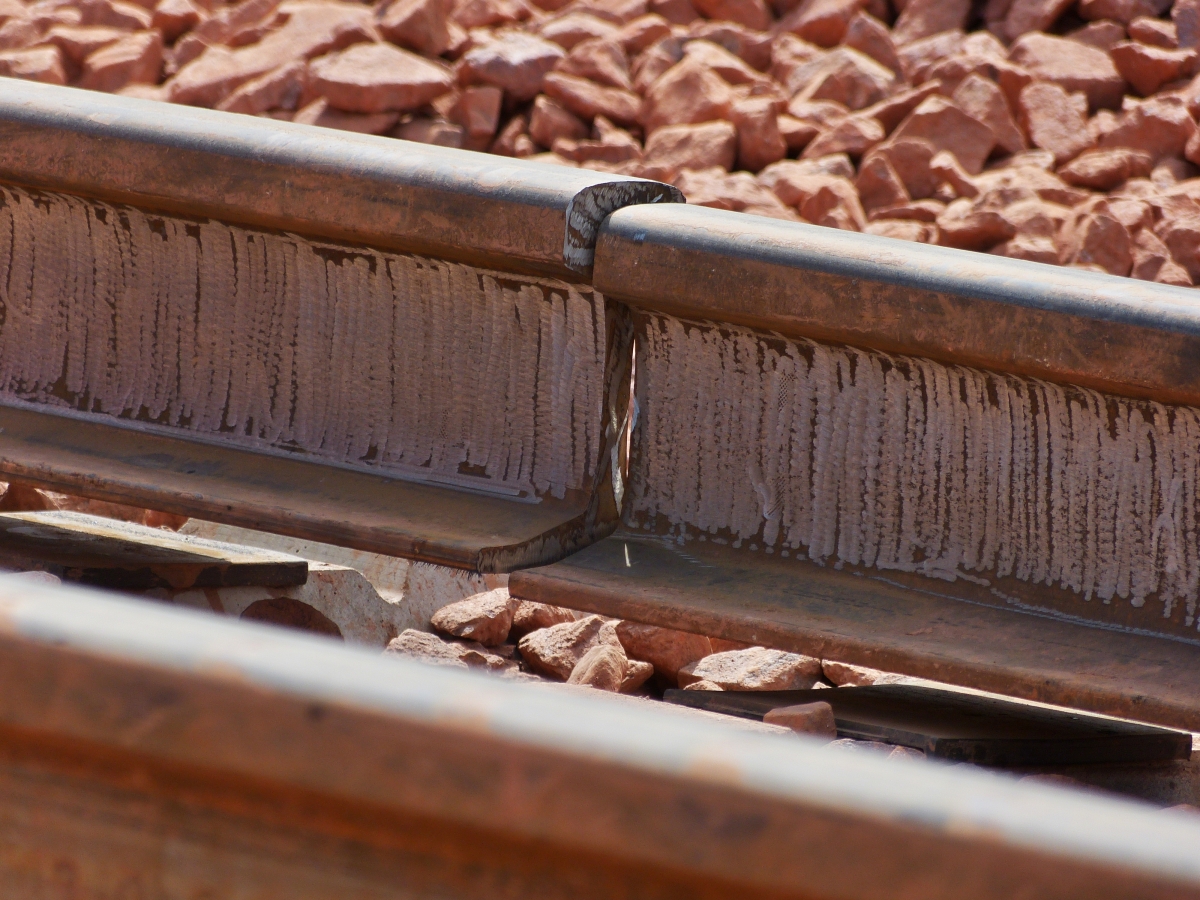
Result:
[[487, 211], [166, 752], [1118, 335]]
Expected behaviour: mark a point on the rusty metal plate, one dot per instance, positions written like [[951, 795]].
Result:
[[962, 727], [272, 492], [123, 555], [154, 752], [870, 619], [1119, 335], [454, 204]]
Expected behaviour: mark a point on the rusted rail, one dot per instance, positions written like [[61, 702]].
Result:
[[487, 211], [1027, 378], [162, 752], [1071, 326], [361, 274]]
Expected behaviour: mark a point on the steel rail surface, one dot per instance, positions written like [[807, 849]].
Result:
[[453, 204], [1118, 335], [272, 185], [159, 751], [709, 270]]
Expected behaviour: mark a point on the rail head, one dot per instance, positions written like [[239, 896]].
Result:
[[252, 708], [453, 204], [1117, 335]]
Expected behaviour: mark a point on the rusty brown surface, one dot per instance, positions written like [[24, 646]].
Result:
[[308, 500], [469, 207], [126, 556], [1126, 337], [919, 627], [163, 753], [516, 216], [144, 465]]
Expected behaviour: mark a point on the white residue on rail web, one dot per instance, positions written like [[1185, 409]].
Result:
[[906, 464], [392, 361]]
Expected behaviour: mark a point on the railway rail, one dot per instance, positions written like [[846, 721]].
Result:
[[166, 752], [974, 470]]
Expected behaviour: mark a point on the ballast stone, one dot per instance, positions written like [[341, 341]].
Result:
[[515, 63], [847, 675], [666, 650], [814, 719], [603, 667], [1072, 66], [530, 616], [429, 648], [375, 78], [557, 650], [136, 59], [485, 617], [755, 669], [637, 673]]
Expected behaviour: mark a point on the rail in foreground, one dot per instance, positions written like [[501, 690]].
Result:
[[977, 470], [160, 752]]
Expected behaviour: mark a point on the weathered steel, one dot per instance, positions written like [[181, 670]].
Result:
[[290, 238], [275, 492], [728, 309], [1119, 335], [155, 752], [871, 619], [125, 556], [452, 204], [962, 727]]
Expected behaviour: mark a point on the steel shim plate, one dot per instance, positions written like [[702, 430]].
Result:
[[872, 620], [959, 726], [308, 500], [120, 555]]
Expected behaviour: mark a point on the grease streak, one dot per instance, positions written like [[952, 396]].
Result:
[[398, 363], [905, 464]]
